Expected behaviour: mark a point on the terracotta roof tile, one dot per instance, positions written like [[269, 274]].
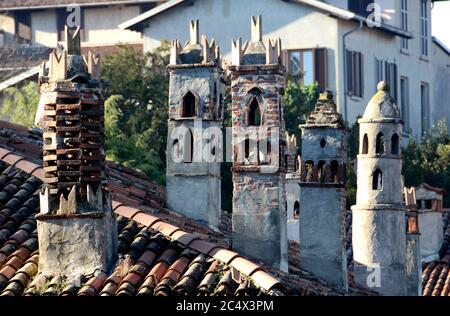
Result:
[[245, 266], [164, 228], [265, 280], [126, 211], [223, 255], [202, 246], [184, 237], [148, 260], [145, 219], [11, 158]]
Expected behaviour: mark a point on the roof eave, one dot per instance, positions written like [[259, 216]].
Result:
[[441, 45], [135, 24], [55, 6]]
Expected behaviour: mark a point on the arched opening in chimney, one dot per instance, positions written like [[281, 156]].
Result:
[[188, 147], [377, 180], [395, 144], [296, 212], [379, 149], [365, 146], [321, 171], [189, 104], [309, 169], [334, 171]]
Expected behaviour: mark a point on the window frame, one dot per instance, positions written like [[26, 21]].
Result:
[[425, 107], [404, 24], [316, 72], [424, 29]]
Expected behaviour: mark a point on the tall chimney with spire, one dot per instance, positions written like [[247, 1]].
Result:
[[76, 225]]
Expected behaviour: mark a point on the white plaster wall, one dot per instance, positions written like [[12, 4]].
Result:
[[297, 26], [101, 25], [416, 69], [43, 27], [7, 24], [302, 27], [431, 235]]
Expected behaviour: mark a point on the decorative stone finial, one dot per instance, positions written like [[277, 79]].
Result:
[[382, 105], [326, 95], [256, 28], [383, 86], [193, 31], [73, 40]]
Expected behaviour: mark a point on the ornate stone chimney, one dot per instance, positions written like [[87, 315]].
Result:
[[322, 193], [259, 198], [379, 225], [76, 225], [292, 161], [413, 264], [196, 93]]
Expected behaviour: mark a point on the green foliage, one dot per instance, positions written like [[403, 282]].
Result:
[[353, 146], [428, 160], [299, 101], [20, 104], [136, 110]]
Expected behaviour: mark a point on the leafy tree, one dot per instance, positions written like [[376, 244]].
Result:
[[20, 104], [428, 160], [136, 110], [299, 101]]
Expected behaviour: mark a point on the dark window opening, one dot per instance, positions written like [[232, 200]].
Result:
[[321, 171], [247, 148], [360, 7], [188, 147], [219, 114], [395, 145], [309, 169], [296, 210], [428, 204], [189, 103], [380, 144], [365, 146], [334, 171], [254, 116], [377, 180], [23, 26], [323, 142]]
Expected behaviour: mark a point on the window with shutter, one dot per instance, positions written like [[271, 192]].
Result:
[[320, 67], [355, 74]]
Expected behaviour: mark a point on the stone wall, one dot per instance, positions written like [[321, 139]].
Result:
[[259, 217]]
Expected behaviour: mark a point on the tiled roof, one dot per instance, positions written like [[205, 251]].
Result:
[[161, 253], [436, 274]]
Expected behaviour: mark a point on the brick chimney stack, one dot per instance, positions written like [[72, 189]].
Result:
[[259, 198], [76, 225]]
